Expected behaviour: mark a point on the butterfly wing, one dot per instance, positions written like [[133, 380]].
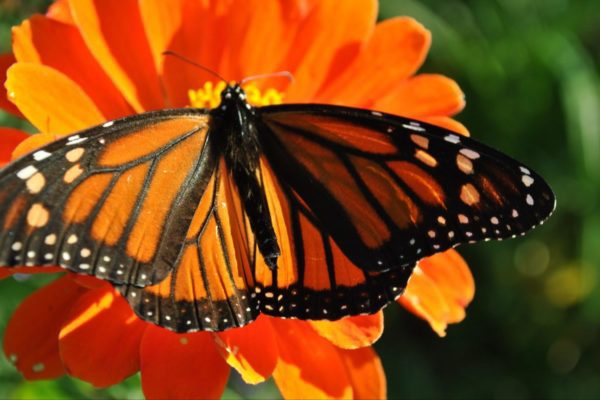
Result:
[[389, 190], [210, 287], [314, 278], [112, 201]]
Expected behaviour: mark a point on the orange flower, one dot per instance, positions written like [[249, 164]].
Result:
[[88, 61]]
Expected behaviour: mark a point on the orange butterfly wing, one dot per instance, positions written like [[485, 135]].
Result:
[[105, 201]]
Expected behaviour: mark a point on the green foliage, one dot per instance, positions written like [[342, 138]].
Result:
[[530, 72]]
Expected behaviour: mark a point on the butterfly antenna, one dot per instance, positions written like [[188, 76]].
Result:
[[285, 74], [195, 64]]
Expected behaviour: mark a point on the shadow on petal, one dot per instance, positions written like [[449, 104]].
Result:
[[181, 366], [31, 337]]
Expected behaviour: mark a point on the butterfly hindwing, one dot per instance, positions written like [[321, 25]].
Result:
[[209, 287], [314, 279], [392, 190], [111, 201]]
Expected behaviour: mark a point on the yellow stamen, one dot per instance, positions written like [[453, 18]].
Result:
[[209, 96]]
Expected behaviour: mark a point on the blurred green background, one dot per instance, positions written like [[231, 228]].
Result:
[[530, 72]]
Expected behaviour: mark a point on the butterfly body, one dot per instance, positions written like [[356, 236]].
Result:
[[203, 219], [234, 120]]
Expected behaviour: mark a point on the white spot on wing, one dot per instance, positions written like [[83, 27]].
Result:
[[452, 139], [108, 124], [41, 155], [529, 200], [472, 154], [27, 172], [527, 180]]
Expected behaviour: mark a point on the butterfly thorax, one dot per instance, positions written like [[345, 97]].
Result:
[[237, 140]]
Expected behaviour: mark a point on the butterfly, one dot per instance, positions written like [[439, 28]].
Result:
[[203, 219]]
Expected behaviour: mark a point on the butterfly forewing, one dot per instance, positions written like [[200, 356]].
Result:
[[110, 201], [390, 191]]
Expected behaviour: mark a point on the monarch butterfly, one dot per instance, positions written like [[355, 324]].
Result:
[[203, 219]]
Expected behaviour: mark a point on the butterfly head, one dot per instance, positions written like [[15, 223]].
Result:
[[233, 97]]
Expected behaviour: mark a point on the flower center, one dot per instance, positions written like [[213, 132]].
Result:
[[209, 96]]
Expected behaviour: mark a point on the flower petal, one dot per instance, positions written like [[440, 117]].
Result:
[[181, 366], [100, 338], [31, 337], [162, 21], [45, 41], [50, 100], [260, 35], [424, 299], [6, 60], [351, 332], [251, 350], [309, 367], [9, 139], [196, 41], [366, 373], [60, 11], [448, 123], [33, 142], [439, 289], [331, 34], [423, 95], [114, 32], [394, 52]]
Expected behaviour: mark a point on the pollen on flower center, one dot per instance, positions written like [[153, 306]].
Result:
[[209, 96]]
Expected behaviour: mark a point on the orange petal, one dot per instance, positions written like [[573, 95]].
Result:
[[50, 100], [33, 142], [186, 366], [200, 42], [31, 337], [351, 332], [448, 123], [330, 36], [440, 289], [452, 276], [6, 60], [309, 366], [5, 273], [60, 11], [251, 350], [162, 22], [100, 338], [9, 139], [422, 96], [394, 52], [114, 32], [60, 46], [423, 298], [366, 373], [271, 24]]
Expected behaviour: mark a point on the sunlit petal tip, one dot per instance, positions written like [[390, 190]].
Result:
[[439, 290], [251, 350], [50, 100], [351, 332]]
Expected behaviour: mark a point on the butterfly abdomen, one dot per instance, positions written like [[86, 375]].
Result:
[[234, 125]]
